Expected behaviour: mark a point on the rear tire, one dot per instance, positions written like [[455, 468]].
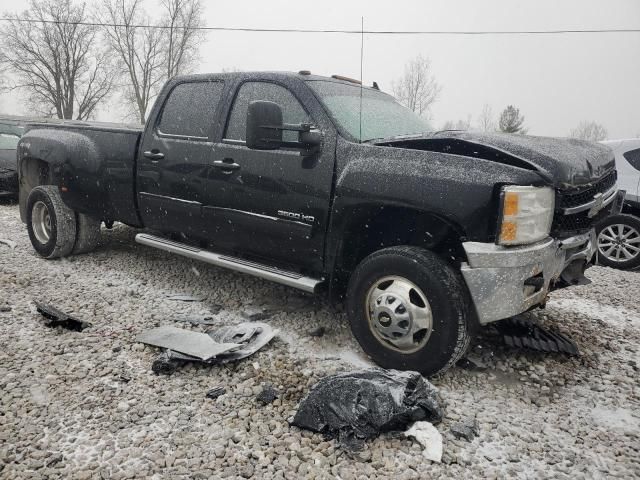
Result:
[[87, 234], [50, 223], [618, 238], [408, 310]]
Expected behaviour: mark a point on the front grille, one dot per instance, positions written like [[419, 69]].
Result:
[[566, 225], [568, 199]]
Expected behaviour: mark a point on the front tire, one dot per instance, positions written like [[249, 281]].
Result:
[[618, 238], [51, 224], [408, 310]]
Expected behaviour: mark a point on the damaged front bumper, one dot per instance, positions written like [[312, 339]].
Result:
[[506, 281]]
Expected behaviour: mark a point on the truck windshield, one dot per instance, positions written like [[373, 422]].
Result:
[[382, 115]]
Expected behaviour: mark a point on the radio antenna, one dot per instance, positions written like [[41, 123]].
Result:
[[361, 57]]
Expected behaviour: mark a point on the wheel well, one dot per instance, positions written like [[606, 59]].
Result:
[[33, 172], [380, 227]]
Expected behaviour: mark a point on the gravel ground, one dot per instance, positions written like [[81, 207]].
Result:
[[86, 405]]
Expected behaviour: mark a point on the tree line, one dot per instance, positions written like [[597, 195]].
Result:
[[68, 65], [418, 90]]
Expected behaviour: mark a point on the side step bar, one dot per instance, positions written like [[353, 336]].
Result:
[[291, 279]]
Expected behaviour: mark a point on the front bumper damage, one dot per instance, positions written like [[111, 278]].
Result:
[[506, 281]]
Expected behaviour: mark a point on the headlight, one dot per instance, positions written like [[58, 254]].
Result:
[[527, 213]]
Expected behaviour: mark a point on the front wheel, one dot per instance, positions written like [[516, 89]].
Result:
[[619, 242], [408, 310], [51, 224]]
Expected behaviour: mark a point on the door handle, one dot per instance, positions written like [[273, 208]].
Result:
[[154, 155], [226, 164]]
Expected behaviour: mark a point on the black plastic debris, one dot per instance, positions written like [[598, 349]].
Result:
[[249, 337], [318, 332], [467, 429], [520, 332], [468, 364], [216, 392], [357, 406], [180, 297], [57, 318], [9, 243], [267, 395]]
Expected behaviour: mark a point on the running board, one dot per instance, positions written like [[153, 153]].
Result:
[[291, 279]]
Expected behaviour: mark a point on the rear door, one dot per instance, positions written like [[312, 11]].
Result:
[[272, 204], [176, 157]]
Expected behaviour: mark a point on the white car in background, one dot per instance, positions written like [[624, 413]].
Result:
[[619, 235]]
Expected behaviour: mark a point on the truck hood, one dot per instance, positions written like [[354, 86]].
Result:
[[565, 162]]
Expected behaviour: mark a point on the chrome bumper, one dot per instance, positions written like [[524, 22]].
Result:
[[496, 275]]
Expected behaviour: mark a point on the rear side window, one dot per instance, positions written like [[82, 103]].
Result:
[[189, 111], [8, 142], [633, 157], [292, 111]]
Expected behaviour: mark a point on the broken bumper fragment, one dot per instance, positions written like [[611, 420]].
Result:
[[506, 281]]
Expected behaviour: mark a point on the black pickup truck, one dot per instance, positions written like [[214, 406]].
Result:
[[327, 186]]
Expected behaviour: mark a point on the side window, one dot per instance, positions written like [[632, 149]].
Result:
[[189, 111], [633, 157], [292, 111]]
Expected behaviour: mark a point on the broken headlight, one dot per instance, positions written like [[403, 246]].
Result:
[[527, 213]]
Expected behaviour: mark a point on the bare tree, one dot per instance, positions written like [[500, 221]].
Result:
[[139, 51], [589, 131], [511, 121], [182, 20], [486, 120], [417, 89], [56, 59]]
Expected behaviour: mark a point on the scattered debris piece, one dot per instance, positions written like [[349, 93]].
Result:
[[256, 313], [57, 318], [216, 392], [472, 364], [124, 377], [521, 332], [194, 344], [195, 271], [356, 406], [467, 429], [9, 243], [116, 349], [318, 332], [179, 297], [429, 437], [208, 320], [246, 338], [54, 459], [164, 365], [5, 308], [267, 395]]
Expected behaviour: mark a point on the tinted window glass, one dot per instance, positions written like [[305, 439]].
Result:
[[292, 111], [190, 109], [633, 157]]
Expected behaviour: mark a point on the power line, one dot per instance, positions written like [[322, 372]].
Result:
[[348, 32]]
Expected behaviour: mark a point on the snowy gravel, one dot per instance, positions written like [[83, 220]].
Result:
[[86, 405]]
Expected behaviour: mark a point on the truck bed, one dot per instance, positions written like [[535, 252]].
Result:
[[98, 164]]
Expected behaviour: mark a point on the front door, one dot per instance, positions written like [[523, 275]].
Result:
[[175, 159], [275, 203]]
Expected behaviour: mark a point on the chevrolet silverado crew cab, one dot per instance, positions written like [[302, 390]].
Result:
[[327, 186]]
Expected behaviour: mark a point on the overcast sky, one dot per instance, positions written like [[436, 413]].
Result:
[[555, 80]]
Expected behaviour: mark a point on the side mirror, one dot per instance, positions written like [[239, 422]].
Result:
[[264, 125]]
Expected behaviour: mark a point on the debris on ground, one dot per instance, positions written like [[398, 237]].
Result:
[[254, 313], [318, 332], [245, 339], [356, 406], [180, 297], [9, 243], [5, 308], [194, 344], [267, 395], [57, 318], [467, 429], [204, 320], [124, 377], [215, 392], [429, 437], [521, 332]]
